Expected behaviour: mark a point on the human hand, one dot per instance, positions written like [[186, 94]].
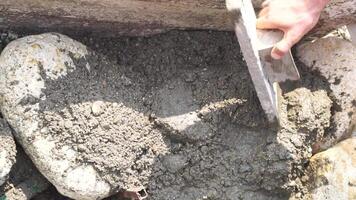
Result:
[[294, 17]]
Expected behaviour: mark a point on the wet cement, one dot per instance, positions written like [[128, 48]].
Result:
[[198, 130]]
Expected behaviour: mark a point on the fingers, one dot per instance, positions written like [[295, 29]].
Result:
[[265, 23], [280, 49]]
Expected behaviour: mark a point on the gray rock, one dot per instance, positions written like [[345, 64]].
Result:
[[7, 150]]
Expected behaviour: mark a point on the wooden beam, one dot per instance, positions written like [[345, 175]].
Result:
[[107, 17], [139, 17]]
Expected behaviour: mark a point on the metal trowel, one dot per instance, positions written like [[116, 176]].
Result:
[[256, 46]]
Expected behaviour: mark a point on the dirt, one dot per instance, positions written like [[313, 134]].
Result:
[[199, 131]]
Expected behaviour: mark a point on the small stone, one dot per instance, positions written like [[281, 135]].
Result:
[[81, 147], [68, 124], [106, 126], [97, 108]]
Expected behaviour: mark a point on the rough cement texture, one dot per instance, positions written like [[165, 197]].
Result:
[[175, 114], [336, 64], [7, 150], [332, 173]]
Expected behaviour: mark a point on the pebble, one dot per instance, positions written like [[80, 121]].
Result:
[[68, 124], [96, 108]]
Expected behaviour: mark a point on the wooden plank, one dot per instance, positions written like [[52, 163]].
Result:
[[139, 17], [130, 17]]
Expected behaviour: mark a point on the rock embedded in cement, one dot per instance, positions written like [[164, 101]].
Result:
[[334, 59], [84, 135], [7, 150], [332, 173]]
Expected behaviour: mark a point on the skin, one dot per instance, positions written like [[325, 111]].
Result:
[[294, 17]]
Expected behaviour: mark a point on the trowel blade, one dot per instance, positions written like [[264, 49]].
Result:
[[277, 70], [256, 48]]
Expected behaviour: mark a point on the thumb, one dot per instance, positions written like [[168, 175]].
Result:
[[283, 46]]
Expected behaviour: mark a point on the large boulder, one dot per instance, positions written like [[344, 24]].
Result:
[[7, 150], [332, 173], [333, 59]]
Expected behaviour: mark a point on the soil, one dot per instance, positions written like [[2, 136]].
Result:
[[208, 136]]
